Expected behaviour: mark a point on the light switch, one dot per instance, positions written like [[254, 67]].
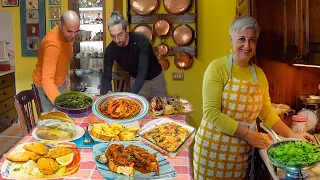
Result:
[[177, 76]]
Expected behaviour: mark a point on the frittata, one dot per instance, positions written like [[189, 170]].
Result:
[[168, 135]]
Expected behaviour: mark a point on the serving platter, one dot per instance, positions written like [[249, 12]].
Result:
[[103, 101], [80, 132], [181, 106], [134, 124], [9, 168], [166, 169]]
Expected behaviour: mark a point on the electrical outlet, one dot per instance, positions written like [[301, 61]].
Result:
[[177, 76]]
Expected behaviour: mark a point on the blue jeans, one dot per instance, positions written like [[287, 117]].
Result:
[[46, 104]]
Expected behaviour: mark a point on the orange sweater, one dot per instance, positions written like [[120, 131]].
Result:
[[52, 66]]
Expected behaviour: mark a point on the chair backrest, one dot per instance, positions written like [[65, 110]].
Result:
[[26, 114], [121, 82]]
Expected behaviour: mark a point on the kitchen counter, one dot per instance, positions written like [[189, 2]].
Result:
[[313, 174], [2, 73]]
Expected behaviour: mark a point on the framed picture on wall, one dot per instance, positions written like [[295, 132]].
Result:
[[54, 12], [54, 23], [10, 3], [32, 4], [33, 26], [54, 2]]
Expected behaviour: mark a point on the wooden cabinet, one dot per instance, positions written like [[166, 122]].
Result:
[[290, 30], [7, 90]]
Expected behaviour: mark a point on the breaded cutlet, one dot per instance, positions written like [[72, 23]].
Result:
[[58, 152], [47, 165], [22, 156], [36, 147]]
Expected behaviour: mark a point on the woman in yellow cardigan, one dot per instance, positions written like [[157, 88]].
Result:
[[235, 92]]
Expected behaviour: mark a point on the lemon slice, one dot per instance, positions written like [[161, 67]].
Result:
[[65, 160]]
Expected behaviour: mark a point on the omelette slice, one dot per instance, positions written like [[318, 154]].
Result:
[[22, 156], [58, 152], [36, 147]]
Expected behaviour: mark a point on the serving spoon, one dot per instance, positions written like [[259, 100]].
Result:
[[101, 158]]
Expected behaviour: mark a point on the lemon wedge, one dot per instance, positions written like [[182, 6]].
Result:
[[65, 160]]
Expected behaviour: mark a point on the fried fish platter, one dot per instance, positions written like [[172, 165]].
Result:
[[36, 147], [22, 156]]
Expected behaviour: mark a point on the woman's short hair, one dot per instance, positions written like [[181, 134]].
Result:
[[117, 18], [243, 22]]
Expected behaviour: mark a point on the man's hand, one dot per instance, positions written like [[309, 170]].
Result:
[[109, 92]]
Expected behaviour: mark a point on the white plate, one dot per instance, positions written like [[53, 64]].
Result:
[[80, 133]]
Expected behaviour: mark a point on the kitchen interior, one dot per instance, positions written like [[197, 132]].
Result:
[[288, 52]]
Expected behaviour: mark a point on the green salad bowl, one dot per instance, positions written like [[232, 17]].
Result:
[[74, 103]]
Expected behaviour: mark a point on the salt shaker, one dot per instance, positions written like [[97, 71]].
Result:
[[299, 123]]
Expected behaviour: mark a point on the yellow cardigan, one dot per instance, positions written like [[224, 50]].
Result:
[[215, 77]]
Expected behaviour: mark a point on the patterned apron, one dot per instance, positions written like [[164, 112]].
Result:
[[218, 155]]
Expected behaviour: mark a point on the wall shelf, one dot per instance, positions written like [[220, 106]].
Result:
[[91, 9]]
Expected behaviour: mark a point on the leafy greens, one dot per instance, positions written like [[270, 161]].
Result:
[[295, 152], [74, 101]]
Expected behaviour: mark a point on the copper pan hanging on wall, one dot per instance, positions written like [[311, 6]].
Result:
[[165, 64], [144, 7], [183, 35], [162, 28], [162, 49], [183, 60], [145, 30], [177, 7]]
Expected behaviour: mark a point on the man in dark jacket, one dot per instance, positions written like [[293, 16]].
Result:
[[135, 54]]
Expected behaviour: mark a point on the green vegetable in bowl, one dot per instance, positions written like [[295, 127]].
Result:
[[74, 101], [295, 152]]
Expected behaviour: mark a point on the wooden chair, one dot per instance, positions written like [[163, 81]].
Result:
[[121, 82], [26, 114]]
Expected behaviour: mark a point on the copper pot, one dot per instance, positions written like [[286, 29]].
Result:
[[145, 30], [162, 28], [165, 64], [144, 7], [183, 35], [177, 7], [183, 60], [162, 49]]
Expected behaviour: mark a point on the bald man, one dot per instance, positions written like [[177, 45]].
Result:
[[55, 50]]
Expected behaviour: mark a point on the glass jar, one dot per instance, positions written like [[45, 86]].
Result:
[[299, 124]]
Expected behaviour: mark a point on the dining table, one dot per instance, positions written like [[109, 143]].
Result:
[[88, 169]]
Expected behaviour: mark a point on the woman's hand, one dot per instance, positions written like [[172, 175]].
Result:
[[303, 136], [256, 139]]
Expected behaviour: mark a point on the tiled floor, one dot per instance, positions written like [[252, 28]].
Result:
[[9, 138]]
